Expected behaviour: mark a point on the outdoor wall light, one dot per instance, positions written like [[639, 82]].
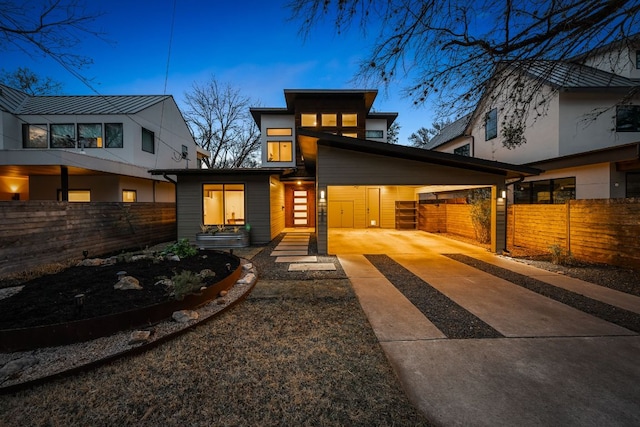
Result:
[[504, 194], [322, 199]]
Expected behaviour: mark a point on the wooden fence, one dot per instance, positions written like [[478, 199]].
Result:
[[33, 233], [602, 230]]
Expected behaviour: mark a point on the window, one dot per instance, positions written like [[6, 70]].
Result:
[[329, 120], [308, 120], [638, 59], [129, 196], [223, 204], [113, 135], [63, 135], [633, 184], [550, 191], [148, 143], [374, 134], [77, 195], [349, 120], [279, 132], [89, 135], [34, 136], [279, 151], [628, 118], [465, 150], [350, 134], [491, 125]]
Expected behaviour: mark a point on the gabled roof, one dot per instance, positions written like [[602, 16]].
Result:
[[449, 132], [18, 102], [309, 140], [561, 74]]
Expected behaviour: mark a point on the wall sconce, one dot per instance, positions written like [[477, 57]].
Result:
[[322, 199], [503, 194]]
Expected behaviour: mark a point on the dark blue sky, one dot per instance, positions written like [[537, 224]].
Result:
[[250, 44]]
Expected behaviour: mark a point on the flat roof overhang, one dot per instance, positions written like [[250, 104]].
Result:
[[308, 142], [626, 156], [226, 171]]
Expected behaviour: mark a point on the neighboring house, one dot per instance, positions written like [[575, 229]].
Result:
[[586, 137], [326, 164], [91, 148]]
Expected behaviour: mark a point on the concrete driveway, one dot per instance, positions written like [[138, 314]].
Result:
[[556, 365]]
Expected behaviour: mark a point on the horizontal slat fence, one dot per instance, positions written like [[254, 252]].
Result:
[[34, 233]]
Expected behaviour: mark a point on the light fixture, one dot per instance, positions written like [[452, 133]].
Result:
[[299, 182], [504, 194], [322, 196]]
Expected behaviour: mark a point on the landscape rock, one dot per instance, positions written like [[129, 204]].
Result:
[[139, 257], [223, 293], [14, 367], [207, 272], [184, 316], [167, 283], [173, 258], [126, 283], [247, 279], [139, 337], [91, 262], [248, 266]]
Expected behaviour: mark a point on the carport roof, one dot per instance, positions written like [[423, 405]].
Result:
[[308, 142]]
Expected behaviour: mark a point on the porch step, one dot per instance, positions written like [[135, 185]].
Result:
[[307, 266]]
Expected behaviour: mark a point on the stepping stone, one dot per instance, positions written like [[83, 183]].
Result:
[[294, 240], [310, 258], [290, 248], [293, 243], [289, 253], [320, 266]]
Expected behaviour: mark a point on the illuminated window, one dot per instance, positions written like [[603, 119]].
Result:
[[350, 134], [113, 135], [223, 204], [349, 120], [308, 120], [77, 195], [491, 125], [329, 120], [148, 143], [279, 151], [89, 135], [279, 132], [129, 196], [34, 136], [63, 135]]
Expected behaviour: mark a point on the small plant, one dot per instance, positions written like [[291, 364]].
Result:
[[481, 214], [185, 283], [559, 256], [236, 229], [205, 228], [182, 248], [221, 227]]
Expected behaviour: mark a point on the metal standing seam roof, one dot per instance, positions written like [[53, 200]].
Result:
[[449, 132], [571, 75], [98, 104], [10, 98]]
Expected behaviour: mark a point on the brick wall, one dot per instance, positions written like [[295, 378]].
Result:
[[41, 232]]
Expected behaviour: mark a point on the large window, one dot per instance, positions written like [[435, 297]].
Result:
[[223, 204], [628, 118], [148, 141], [77, 195], [34, 136], [89, 135], [633, 184], [279, 151], [549, 191], [491, 125], [349, 120], [63, 135], [329, 120], [308, 120], [465, 150], [113, 135]]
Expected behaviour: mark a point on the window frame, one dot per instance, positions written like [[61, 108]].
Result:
[[224, 199], [107, 137], [343, 116], [463, 150], [308, 116], [279, 132], [75, 191], [127, 200], [331, 120], [491, 124], [379, 133], [27, 139], [633, 119], [279, 158], [528, 192], [90, 141], [68, 138], [144, 147]]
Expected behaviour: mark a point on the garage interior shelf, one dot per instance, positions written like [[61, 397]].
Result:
[[406, 215]]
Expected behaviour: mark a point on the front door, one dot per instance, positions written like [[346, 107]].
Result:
[[300, 209], [373, 207]]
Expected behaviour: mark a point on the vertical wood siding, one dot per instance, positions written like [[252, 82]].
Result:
[[43, 232]]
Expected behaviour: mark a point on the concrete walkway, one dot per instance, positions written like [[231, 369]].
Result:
[[556, 366]]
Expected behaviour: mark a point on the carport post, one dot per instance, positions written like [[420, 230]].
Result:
[[498, 219]]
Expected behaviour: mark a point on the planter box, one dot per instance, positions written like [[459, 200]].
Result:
[[223, 239]]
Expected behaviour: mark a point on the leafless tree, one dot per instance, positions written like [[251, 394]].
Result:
[[393, 134], [29, 82], [52, 28], [450, 50], [422, 136], [219, 118]]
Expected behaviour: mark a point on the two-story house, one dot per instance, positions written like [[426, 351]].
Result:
[[585, 136], [326, 165], [91, 148]]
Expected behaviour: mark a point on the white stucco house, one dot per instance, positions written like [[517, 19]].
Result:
[[586, 138], [91, 148]]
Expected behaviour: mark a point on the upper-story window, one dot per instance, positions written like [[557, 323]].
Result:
[[89, 135], [113, 135], [349, 120], [63, 135], [279, 132], [465, 150], [374, 134], [34, 136], [628, 118], [148, 141], [308, 120], [279, 151], [491, 125], [329, 120]]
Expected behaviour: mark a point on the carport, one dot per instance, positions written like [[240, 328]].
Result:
[[354, 177]]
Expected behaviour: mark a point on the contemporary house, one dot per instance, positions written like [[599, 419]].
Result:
[[326, 164], [586, 137], [91, 148]]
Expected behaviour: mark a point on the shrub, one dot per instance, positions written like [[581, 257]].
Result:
[[182, 248], [480, 201], [559, 256], [185, 283]]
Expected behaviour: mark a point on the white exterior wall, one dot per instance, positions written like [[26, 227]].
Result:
[[450, 146], [277, 121], [621, 62], [377, 124]]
